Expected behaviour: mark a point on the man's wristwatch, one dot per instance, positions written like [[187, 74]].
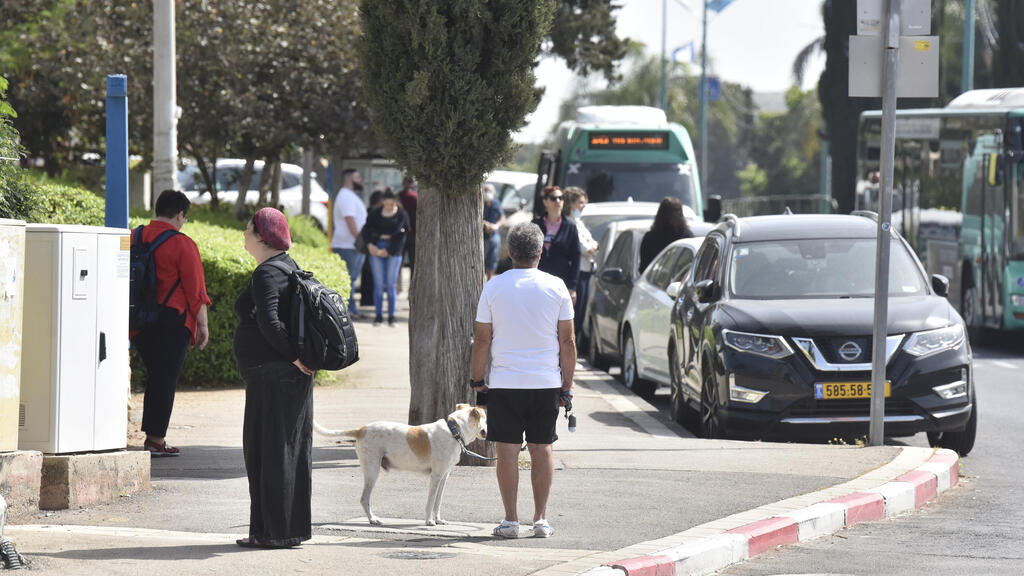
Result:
[[475, 383]]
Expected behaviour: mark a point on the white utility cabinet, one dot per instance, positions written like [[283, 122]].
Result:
[[75, 375]]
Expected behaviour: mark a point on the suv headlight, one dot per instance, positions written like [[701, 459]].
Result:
[[760, 344], [933, 341]]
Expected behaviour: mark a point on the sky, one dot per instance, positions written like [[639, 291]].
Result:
[[751, 42]]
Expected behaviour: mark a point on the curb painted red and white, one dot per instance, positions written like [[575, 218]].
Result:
[[907, 492]]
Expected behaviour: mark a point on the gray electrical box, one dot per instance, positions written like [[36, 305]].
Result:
[[915, 17], [918, 67]]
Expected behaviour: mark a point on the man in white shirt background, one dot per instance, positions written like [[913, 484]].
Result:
[[349, 217], [525, 322]]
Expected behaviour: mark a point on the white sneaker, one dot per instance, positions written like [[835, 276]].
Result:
[[507, 530], [541, 529]]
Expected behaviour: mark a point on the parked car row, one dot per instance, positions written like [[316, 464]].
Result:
[[762, 329], [229, 173]]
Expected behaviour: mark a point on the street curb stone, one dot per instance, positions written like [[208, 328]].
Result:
[[907, 492]]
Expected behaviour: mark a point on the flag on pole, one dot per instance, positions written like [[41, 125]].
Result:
[[718, 5]]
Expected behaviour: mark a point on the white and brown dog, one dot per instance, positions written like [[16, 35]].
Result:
[[430, 448]]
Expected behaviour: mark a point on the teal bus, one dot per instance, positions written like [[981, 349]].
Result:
[[621, 154], [958, 197]]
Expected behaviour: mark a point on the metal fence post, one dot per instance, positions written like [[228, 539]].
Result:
[[117, 152]]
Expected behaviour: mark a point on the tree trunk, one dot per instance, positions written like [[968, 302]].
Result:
[[266, 177], [445, 290], [243, 188], [275, 184]]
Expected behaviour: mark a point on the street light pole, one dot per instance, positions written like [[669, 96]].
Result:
[[879, 356], [165, 124], [704, 96], [663, 94], [967, 65]]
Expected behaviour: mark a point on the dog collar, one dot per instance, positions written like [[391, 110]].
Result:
[[454, 429]]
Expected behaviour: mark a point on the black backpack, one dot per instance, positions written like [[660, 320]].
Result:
[[143, 307], [319, 329]]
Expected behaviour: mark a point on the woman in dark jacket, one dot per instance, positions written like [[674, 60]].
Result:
[[669, 225], [561, 254], [384, 234], [277, 433]]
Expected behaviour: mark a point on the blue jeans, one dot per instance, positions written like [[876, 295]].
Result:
[[385, 277], [354, 262]]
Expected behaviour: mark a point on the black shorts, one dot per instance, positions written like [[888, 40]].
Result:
[[511, 413]]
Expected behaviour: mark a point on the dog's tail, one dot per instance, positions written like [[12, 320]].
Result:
[[355, 434]]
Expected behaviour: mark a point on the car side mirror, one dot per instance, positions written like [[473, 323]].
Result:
[[940, 284], [613, 276], [707, 291], [673, 290], [713, 209]]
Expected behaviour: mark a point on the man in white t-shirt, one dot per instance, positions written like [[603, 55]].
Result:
[[349, 218], [525, 322]]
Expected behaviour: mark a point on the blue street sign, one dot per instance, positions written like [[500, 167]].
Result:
[[714, 89]]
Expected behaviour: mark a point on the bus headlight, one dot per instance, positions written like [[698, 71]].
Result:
[[1017, 300], [933, 341]]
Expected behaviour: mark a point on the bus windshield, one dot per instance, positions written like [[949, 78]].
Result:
[[606, 182]]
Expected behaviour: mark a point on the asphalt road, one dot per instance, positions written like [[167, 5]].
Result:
[[976, 528]]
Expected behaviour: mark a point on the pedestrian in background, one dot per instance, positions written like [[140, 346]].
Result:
[[384, 234], [409, 198], [366, 277], [561, 255], [494, 217], [349, 219], [524, 325], [277, 431], [182, 320], [669, 225], [575, 201]]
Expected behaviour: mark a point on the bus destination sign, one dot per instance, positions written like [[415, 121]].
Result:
[[629, 141]]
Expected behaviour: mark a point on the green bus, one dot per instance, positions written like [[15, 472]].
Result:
[[958, 197], [622, 154]]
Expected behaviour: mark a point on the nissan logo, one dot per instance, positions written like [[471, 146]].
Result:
[[849, 351]]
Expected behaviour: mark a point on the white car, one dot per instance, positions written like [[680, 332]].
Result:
[[229, 172], [514, 189], [647, 322]]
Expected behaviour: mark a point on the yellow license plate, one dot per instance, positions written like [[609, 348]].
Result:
[[846, 390]]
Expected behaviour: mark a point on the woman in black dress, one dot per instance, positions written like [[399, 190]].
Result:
[[277, 433]]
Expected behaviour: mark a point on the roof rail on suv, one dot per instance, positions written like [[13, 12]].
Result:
[[733, 221], [865, 214]]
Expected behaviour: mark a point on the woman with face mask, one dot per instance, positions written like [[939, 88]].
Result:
[[575, 202], [494, 217]]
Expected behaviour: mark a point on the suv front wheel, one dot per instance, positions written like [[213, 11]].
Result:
[[710, 423]]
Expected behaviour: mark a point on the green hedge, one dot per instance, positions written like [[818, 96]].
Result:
[[56, 203], [228, 267]]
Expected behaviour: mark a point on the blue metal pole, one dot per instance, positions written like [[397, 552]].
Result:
[[117, 151], [967, 65]]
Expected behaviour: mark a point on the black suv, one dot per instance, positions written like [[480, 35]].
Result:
[[771, 336]]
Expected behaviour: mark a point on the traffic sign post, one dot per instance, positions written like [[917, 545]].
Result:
[[909, 62]]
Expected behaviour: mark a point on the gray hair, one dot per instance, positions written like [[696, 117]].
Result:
[[525, 241]]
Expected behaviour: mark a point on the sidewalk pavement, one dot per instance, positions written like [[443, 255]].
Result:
[[632, 490]]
